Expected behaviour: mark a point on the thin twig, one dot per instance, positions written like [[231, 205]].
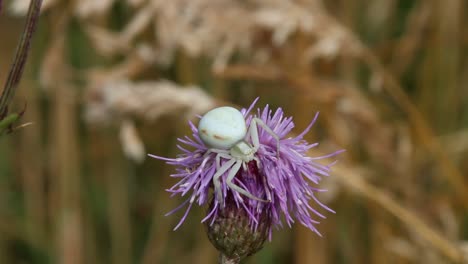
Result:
[[350, 178], [421, 126], [21, 55]]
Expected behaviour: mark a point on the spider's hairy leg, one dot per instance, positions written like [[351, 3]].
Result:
[[232, 174], [253, 131], [218, 159], [213, 150], [219, 152], [216, 181], [253, 134]]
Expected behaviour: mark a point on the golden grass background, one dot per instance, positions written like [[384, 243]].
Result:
[[109, 81]]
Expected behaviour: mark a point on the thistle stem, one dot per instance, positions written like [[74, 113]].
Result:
[[223, 259]]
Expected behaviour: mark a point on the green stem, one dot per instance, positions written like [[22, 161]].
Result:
[[223, 259], [21, 55]]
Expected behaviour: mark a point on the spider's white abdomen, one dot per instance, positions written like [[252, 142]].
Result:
[[222, 127]]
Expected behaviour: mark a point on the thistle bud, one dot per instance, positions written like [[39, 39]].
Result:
[[233, 234]]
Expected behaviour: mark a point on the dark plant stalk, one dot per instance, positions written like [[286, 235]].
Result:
[[16, 70]]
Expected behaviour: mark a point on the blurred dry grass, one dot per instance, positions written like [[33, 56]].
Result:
[[111, 80]]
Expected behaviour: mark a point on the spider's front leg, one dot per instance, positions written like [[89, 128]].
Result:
[[218, 159], [232, 174], [253, 132], [217, 183], [220, 153]]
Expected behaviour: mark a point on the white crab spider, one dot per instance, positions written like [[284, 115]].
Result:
[[224, 130]]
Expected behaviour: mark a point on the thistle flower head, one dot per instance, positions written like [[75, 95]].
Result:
[[285, 180]]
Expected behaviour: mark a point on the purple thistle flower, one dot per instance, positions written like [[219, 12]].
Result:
[[287, 183]]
